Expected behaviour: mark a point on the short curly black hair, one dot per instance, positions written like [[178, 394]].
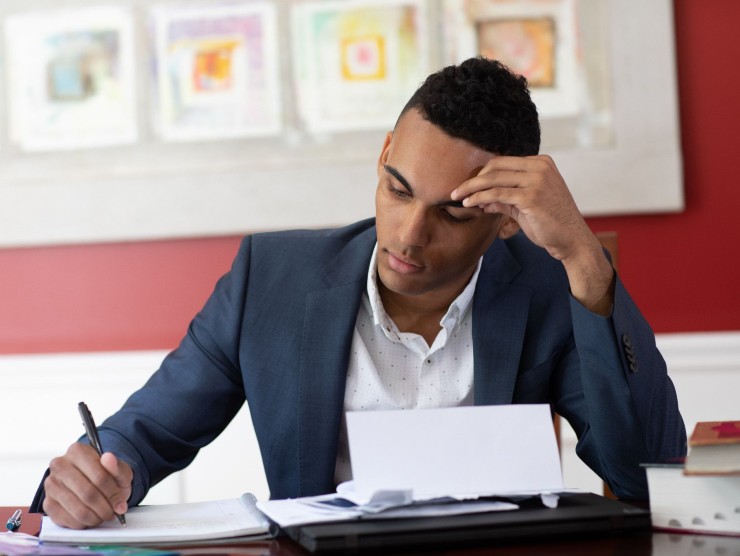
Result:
[[482, 102]]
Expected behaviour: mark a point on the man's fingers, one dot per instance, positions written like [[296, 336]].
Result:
[[89, 483], [500, 197], [60, 515], [122, 475], [494, 180], [83, 489], [71, 500], [510, 172], [108, 478]]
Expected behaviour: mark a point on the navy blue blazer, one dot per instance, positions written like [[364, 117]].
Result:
[[277, 332]]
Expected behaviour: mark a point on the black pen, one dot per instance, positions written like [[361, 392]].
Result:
[[92, 434]]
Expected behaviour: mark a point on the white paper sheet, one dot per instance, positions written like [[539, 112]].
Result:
[[461, 451]]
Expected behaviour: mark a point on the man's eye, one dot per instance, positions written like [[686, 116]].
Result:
[[398, 192], [452, 218]]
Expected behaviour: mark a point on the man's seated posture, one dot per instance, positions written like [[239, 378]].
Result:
[[477, 282]]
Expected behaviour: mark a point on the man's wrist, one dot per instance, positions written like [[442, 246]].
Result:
[[592, 279]]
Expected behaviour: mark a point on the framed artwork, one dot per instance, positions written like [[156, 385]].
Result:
[[305, 177], [217, 71], [357, 62], [73, 79], [536, 39]]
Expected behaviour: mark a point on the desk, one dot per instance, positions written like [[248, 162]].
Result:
[[648, 544]]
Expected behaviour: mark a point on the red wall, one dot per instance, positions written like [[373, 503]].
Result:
[[682, 269]]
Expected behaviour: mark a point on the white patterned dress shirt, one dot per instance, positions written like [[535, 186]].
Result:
[[389, 369]]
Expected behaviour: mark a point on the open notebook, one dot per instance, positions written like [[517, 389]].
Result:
[[194, 521]]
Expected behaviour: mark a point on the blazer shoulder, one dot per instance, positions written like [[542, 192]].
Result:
[[301, 254], [307, 236]]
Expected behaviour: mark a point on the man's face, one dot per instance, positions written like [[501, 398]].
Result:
[[427, 244]]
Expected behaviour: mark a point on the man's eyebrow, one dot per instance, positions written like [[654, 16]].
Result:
[[396, 174], [404, 182]]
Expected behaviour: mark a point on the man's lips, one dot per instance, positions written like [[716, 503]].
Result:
[[403, 265]]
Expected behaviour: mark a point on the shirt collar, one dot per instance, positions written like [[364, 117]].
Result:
[[452, 318]]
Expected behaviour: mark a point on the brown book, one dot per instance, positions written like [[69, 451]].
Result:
[[714, 449]]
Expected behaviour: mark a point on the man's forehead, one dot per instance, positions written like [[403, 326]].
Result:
[[418, 138]]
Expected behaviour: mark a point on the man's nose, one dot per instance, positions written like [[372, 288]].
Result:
[[414, 230]]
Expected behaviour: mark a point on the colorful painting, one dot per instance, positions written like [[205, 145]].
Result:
[[535, 38], [73, 79], [527, 46], [217, 72], [357, 62]]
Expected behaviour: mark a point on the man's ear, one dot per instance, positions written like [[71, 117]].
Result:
[[508, 228], [383, 158]]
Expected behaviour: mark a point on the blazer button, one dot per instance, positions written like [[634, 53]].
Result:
[[633, 366], [626, 340]]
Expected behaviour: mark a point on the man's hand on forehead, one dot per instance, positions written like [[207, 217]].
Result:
[[531, 191]]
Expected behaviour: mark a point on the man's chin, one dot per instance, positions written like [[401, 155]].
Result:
[[401, 285]]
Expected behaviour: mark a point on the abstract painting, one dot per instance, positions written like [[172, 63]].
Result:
[[217, 72], [73, 83]]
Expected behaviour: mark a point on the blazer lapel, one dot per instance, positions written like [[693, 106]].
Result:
[[500, 311], [329, 322]]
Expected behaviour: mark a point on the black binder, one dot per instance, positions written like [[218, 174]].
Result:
[[577, 515]]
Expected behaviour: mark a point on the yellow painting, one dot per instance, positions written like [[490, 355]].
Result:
[[357, 61], [363, 58]]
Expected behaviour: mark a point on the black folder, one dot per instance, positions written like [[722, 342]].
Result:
[[577, 515]]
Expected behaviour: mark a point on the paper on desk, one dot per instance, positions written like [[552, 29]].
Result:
[[462, 452], [193, 521]]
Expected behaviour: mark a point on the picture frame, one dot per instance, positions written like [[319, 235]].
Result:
[[300, 179]]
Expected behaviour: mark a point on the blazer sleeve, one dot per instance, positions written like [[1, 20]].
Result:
[[193, 396], [615, 391]]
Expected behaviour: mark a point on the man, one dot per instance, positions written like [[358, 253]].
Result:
[[478, 282]]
